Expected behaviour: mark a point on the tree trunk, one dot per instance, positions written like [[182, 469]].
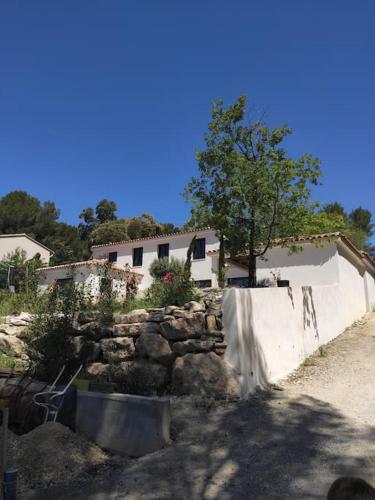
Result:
[[252, 268], [221, 270]]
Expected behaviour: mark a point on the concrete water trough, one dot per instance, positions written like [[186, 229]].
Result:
[[124, 424]]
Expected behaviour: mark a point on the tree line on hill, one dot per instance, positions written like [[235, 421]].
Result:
[[22, 213]]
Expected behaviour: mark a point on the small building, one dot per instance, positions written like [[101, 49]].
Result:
[[92, 275], [10, 243]]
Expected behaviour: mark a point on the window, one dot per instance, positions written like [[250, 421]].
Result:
[[238, 282], [199, 249], [203, 283], [163, 250], [63, 282], [112, 257], [137, 256]]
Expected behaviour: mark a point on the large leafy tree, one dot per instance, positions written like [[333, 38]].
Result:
[[253, 190]]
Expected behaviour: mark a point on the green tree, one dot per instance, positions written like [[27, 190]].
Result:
[[109, 232], [249, 183], [18, 213], [361, 219], [106, 211], [334, 208]]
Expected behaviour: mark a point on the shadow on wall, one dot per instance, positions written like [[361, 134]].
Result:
[[309, 312], [244, 353], [269, 447]]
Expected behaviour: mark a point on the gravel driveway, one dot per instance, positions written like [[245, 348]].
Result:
[[285, 444]]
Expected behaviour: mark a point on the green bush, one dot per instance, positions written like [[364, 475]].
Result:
[[49, 343], [160, 267], [171, 290], [15, 303]]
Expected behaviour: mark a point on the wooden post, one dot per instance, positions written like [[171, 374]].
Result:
[[4, 443]]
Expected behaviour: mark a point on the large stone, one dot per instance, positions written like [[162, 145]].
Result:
[[154, 347], [87, 317], [117, 349], [135, 329], [181, 313], [15, 321], [11, 345], [95, 331], [136, 316], [194, 306], [12, 330], [98, 371], [193, 345], [211, 322], [190, 327], [203, 375], [170, 309], [87, 351], [146, 378], [159, 316], [120, 371]]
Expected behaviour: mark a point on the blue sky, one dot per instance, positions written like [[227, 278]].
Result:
[[110, 99]]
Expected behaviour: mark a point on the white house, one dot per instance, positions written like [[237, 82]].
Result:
[[91, 274], [140, 253], [323, 259], [9, 243]]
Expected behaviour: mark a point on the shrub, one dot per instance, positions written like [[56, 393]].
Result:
[[160, 267], [172, 290], [15, 303], [49, 343]]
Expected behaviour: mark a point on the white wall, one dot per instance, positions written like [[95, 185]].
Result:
[[313, 265], [178, 246], [370, 290], [87, 276], [9, 244], [270, 331]]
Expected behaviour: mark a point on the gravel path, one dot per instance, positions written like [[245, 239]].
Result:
[[288, 444]]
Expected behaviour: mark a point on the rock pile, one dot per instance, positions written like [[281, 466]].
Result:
[[13, 330]]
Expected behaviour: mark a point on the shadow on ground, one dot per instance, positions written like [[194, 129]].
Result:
[[270, 447]]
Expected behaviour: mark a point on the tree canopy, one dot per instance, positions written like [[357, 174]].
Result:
[[251, 190]]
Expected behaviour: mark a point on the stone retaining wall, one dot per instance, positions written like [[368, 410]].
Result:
[[167, 350]]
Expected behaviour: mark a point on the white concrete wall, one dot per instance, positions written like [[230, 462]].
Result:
[[9, 244], [178, 245], [313, 265], [270, 331], [87, 276], [370, 290]]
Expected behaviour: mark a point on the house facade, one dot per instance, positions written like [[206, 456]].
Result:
[[140, 253], [9, 243], [91, 275], [323, 259]]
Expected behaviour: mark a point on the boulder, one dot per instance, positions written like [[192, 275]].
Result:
[[144, 377], [211, 323], [219, 323], [190, 327], [213, 334], [98, 371], [11, 345], [194, 306], [135, 329], [117, 349], [159, 316], [120, 371], [87, 351], [154, 347], [95, 331], [193, 345], [15, 331], [170, 309], [136, 316], [215, 312], [25, 316], [15, 321], [203, 375], [181, 313], [87, 317]]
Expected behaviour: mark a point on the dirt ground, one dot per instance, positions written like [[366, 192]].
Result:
[[283, 444]]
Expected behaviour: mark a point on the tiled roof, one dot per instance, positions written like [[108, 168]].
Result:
[[156, 236], [92, 262]]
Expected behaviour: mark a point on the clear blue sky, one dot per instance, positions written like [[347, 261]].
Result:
[[110, 99]]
